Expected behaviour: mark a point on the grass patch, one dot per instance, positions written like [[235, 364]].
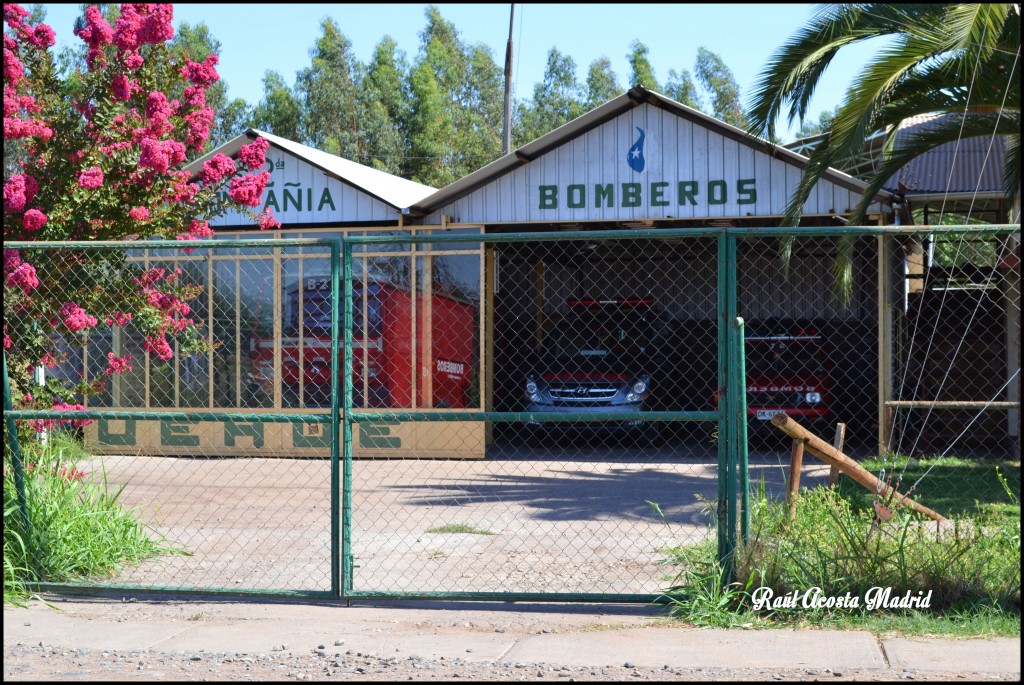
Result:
[[952, 486], [971, 568], [79, 530], [459, 528]]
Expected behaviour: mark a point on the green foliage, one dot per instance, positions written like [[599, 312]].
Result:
[[641, 73], [971, 566], [717, 79], [327, 93], [280, 111], [602, 84], [557, 99], [78, 528], [957, 59], [681, 88], [384, 106]]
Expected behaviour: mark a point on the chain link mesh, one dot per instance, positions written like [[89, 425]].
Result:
[[570, 485]]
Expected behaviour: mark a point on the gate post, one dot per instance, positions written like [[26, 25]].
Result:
[[346, 497], [726, 519], [335, 424]]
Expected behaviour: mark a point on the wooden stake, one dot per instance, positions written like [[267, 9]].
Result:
[[796, 464], [833, 457], [837, 442]]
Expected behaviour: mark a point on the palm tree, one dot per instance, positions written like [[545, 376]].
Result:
[[961, 60]]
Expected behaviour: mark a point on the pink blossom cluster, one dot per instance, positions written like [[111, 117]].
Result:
[[97, 34], [19, 191], [166, 303], [197, 127], [118, 319], [12, 258], [117, 364], [267, 220], [161, 155], [42, 424], [158, 345], [216, 168], [141, 24], [247, 190], [24, 277], [254, 155], [202, 74], [20, 128], [124, 87], [33, 220], [48, 360], [75, 318], [158, 111], [91, 178], [150, 276], [40, 37], [139, 214]]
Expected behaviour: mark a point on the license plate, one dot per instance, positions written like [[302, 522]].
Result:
[[767, 414]]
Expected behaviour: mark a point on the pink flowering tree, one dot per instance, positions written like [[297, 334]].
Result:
[[101, 159]]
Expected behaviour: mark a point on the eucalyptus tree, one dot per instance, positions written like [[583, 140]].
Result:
[[602, 84], [718, 80], [384, 106], [327, 91], [960, 60], [557, 99], [641, 73], [681, 88], [457, 96], [279, 112]]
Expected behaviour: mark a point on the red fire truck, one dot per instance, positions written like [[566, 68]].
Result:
[[443, 348], [788, 370]]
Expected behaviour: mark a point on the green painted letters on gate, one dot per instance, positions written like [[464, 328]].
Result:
[[378, 436], [105, 437], [311, 435], [177, 434], [234, 430]]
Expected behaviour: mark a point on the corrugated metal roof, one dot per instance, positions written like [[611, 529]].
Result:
[[393, 190], [632, 98], [966, 166]]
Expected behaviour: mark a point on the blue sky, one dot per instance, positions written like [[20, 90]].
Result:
[[256, 37]]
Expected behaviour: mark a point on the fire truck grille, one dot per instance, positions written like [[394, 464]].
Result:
[[772, 399]]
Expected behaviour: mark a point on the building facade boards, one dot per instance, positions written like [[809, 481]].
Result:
[[638, 161]]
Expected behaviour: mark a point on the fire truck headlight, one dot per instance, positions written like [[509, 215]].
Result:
[[813, 397]]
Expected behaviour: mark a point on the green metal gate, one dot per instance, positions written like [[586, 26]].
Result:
[[409, 526]]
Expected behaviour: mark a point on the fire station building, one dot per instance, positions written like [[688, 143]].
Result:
[[471, 311]]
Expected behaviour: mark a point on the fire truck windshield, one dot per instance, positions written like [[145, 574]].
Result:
[[784, 357]]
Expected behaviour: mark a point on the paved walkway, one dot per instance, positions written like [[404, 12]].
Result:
[[574, 635]]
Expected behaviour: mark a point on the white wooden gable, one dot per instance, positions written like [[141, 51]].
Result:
[[301, 193], [693, 167]]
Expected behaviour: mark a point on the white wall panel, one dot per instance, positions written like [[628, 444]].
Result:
[[300, 193], [676, 151]]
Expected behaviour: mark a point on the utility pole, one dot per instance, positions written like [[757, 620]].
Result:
[[506, 143]]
